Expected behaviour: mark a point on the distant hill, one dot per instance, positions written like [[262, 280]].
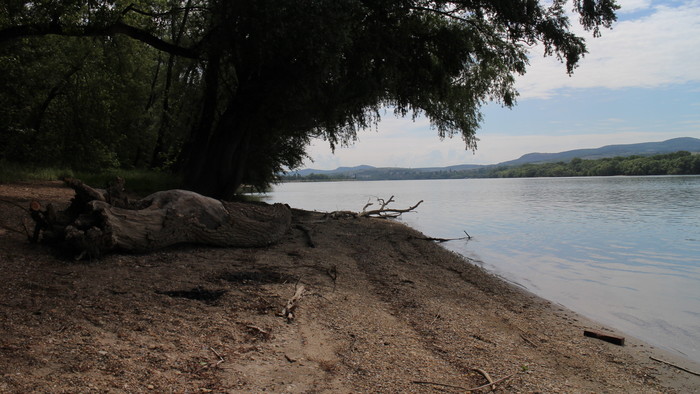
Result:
[[337, 171], [365, 172], [643, 149]]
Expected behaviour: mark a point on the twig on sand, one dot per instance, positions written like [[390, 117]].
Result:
[[26, 231], [333, 273], [288, 311], [8, 228], [258, 330], [675, 366], [527, 340], [438, 384], [485, 374], [492, 383], [14, 204], [307, 232], [221, 359]]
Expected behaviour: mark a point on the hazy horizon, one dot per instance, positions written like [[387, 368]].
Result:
[[501, 161]]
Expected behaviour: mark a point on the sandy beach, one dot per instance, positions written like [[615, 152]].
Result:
[[372, 307]]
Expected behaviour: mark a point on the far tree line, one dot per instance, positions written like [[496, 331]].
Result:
[[678, 163]]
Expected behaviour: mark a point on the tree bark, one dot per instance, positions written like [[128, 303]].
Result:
[[93, 226], [157, 160], [217, 166]]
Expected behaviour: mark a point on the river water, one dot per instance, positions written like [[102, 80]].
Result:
[[624, 251]]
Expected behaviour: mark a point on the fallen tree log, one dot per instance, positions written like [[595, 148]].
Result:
[[92, 226]]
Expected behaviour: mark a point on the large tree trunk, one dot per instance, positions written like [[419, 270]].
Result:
[[98, 222], [205, 160], [216, 167]]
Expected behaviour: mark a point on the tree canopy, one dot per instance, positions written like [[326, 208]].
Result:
[[232, 92]]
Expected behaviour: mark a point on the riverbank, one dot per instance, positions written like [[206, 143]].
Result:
[[382, 309]]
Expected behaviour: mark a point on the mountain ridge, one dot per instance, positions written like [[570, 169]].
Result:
[[643, 149]]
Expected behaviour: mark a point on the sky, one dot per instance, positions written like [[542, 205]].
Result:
[[640, 82]]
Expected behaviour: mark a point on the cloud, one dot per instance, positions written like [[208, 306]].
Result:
[[501, 147], [658, 49], [629, 6]]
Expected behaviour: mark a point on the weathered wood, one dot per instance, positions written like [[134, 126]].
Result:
[[675, 366], [307, 232], [384, 212], [92, 226], [288, 311], [607, 337]]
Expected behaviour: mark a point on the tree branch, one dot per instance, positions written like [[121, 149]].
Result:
[[175, 10], [384, 212], [117, 28], [443, 13]]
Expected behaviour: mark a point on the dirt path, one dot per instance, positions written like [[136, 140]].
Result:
[[382, 310]]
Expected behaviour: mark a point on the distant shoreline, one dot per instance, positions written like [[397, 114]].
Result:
[[677, 163]]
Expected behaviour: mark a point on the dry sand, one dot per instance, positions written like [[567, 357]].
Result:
[[382, 311]]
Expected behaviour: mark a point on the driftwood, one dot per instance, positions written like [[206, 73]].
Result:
[[612, 338], [487, 376], [383, 212], [100, 221], [675, 366], [492, 383], [441, 240], [307, 232], [288, 311]]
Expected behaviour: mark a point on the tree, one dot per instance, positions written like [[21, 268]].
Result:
[[275, 74]]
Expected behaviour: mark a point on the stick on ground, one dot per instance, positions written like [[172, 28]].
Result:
[[307, 232], [485, 374], [492, 383], [288, 311], [675, 366]]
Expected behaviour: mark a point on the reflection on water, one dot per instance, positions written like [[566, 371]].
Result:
[[622, 250]]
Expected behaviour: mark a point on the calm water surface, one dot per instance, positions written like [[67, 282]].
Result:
[[622, 250]]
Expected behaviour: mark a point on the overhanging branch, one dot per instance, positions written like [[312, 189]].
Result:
[[117, 28], [176, 10]]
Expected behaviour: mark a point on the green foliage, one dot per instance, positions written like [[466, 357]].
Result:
[[74, 103], [13, 172], [679, 163], [139, 182], [89, 104]]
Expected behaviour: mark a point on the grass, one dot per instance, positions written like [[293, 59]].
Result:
[[10, 172], [139, 182]]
